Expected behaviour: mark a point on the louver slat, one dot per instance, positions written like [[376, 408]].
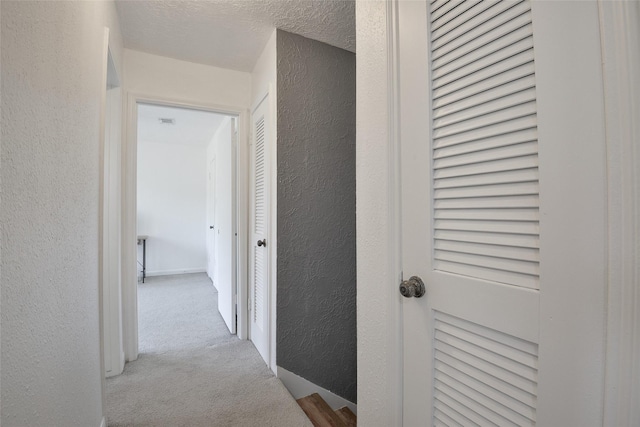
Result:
[[487, 214], [481, 74], [466, 14], [258, 297], [259, 224], [483, 376], [513, 112], [496, 251], [509, 189], [525, 412], [487, 273], [501, 164], [450, 9], [500, 91], [492, 226], [491, 262], [522, 175], [512, 99], [507, 240], [487, 45], [485, 148], [478, 61], [449, 413], [472, 418], [493, 22], [513, 151], [442, 419]]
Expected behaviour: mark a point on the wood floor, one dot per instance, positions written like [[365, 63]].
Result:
[[321, 414]]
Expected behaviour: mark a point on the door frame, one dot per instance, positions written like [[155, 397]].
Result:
[[104, 316], [129, 210], [110, 219], [379, 271], [620, 35]]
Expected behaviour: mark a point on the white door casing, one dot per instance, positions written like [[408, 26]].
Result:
[[111, 244], [110, 219], [233, 232], [259, 230], [503, 212]]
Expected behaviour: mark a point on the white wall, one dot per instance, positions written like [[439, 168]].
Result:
[[264, 80], [264, 74], [158, 76], [52, 59], [172, 206]]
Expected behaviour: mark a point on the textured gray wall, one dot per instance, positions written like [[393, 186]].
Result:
[[316, 317]]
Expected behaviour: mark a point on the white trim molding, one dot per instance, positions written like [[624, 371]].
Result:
[[300, 387], [396, 366], [620, 33], [378, 216], [129, 231], [103, 108], [103, 422], [273, 227]]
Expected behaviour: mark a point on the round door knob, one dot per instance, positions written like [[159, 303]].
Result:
[[262, 242], [211, 227], [414, 287]]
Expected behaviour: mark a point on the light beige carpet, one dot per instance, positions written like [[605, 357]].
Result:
[[191, 371]]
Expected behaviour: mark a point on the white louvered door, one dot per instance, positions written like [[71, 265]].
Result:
[[493, 124], [259, 262]]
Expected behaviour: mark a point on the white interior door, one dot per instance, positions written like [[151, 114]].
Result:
[[258, 244], [503, 212], [224, 229]]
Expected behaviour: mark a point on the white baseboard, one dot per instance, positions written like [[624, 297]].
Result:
[[299, 387], [103, 423], [179, 271]]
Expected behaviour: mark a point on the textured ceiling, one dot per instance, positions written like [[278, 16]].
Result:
[[191, 127], [230, 33]]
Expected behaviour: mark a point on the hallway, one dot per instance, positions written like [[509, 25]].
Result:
[[190, 370]]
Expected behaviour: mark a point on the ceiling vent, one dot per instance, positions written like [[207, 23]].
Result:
[[167, 121]]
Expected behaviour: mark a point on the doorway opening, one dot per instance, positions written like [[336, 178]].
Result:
[[167, 230], [186, 221]]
